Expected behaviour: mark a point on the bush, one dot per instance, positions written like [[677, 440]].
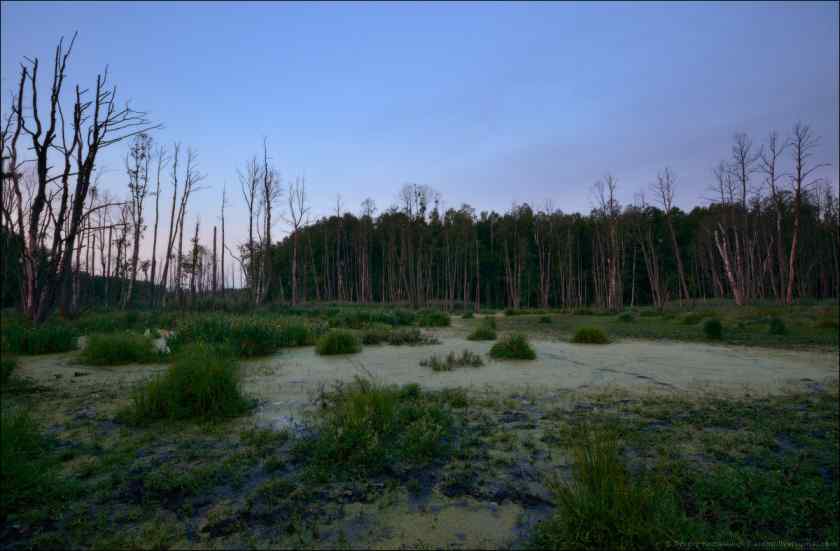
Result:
[[482, 333], [432, 318], [545, 319], [376, 335], [338, 341], [777, 327], [292, 334], [602, 508], [203, 382], [365, 429], [119, 349], [713, 329], [453, 360], [626, 317], [246, 336], [7, 366], [513, 347], [46, 339], [590, 335], [410, 336], [650, 313]]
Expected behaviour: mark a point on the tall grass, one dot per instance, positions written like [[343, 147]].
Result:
[[45, 339], [713, 329], [484, 332], [119, 349], [453, 360], [433, 318], [338, 341], [203, 382], [7, 367], [590, 335], [602, 508], [513, 347], [246, 336]]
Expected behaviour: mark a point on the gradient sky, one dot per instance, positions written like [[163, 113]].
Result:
[[490, 104]]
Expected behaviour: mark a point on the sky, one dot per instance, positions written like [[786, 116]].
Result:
[[490, 104]]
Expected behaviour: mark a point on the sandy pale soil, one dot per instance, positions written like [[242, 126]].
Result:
[[288, 380]]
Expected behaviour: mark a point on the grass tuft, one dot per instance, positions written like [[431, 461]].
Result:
[[546, 319], [590, 335], [713, 329], [7, 367], [453, 360], [484, 332], [513, 347], [119, 349], [46, 339], [338, 341], [625, 317], [432, 318], [777, 327], [203, 382]]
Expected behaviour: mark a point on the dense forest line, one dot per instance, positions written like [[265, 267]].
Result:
[[771, 231]]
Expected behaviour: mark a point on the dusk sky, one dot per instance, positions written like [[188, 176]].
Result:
[[490, 104]]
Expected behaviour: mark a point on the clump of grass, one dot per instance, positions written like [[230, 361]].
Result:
[[246, 336], [7, 367], [827, 323], [692, 318], [650, 313], [119, 349], [777, 327], [453, 360], [364, 429], [338, 341], [291, 334], [468, 316], [376, 334], [45, 339], [203, 382], [513, 347], [626, 317], [590, 335], [583, 312], [410, 336], [713, 329], [484, 332], [545, 319], [602, 508], [432, 318]]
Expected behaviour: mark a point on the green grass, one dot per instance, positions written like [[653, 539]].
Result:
[[545, 319], [410, 336], [602, 507], [626, 317], [7, 367], [432, 318], [338, 341], [246, 336], [777, 327], [365, 429], [468, 316], [452, 361], [203, 382], [482, 333], [513, 347], [713, 329], [119, 349], [590, 335], [45, 339]]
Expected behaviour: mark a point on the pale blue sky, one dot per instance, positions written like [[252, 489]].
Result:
[[487, 103]]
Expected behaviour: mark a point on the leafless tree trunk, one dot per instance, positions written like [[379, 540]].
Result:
[[298, 210], [664, 189], [161, 163], [137, 165]]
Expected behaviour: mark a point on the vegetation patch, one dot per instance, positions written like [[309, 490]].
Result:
[[713, 329], [484, 332], [625, 317], [7, 367], [119, 349], [432, 318], [203, 382], [777, 327], [246, 336], [468, 315], [546, 319], [452, 361], [590, 335], [513, 347], [364, 429], [338, 341], [45, 339], [410, 336]]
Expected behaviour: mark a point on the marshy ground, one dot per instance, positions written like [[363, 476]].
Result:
[[746, 437]]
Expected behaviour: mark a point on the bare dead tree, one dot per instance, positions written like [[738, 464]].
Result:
[[137, 164], [249, 182], [664, 189], [162, 161], [298, 209]]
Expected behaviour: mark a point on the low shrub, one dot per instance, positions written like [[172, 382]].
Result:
[[545, 319], [432, 318], [513, 347], [489, 322], [7, 367], [291, 334], [468, 316], [603, 508], [119, 349], [453, 360], [410, 336], [777, 327], [626, 317], [46, 339], [590, 335], [376, 334], [246, 336], [364, 429], [692, 318], [338, 341], [203, 382], [482, 333], [713, 329]]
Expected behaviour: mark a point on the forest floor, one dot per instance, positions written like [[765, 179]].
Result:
[[705, 408]]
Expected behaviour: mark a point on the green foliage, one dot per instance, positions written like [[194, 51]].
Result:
[[376, 334], [626, 317], [583, 312], [453, 360], [650, 313], [292, 334], [513, 347], [713, 329], [489, 322], [590, 335], [7, 367], [410, 336], [827, 323], [362, 318], [482, 333], [364, 428], [468, 315], [545, 319], [338, 341], [203, 382], [432, 318], [119, 349], [603, 508], [26, 474], [246, 336], [45, 339], [777, 327]]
